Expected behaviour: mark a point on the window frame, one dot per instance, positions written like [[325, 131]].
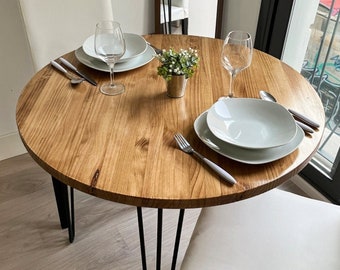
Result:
[[274, 17]]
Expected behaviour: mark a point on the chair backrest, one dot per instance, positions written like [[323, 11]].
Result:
[[57, 27], [330, 93], [317, 80]]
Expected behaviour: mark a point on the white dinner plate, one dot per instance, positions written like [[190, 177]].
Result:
[[135, 46], [94, 63], [251, 123], [249, 156]]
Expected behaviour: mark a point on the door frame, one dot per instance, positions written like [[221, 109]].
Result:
[[219, 18], [271, 33]]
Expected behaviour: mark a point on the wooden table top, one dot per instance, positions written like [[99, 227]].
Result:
[[121, 148]]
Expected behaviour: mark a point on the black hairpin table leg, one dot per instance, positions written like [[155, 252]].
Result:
[[178, 238], [66, 214], [141, 236], [159, 238]]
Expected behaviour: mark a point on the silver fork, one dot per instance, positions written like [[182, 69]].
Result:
[[157, 51], [187, 148]]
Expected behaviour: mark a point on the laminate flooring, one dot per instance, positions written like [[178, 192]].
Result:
[[106, 232]]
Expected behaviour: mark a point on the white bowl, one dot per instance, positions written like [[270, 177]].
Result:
[[135, 46], [251, 123], [244, 155], [97, 64]]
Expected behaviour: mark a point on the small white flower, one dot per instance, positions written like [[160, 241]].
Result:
[[182, 62]]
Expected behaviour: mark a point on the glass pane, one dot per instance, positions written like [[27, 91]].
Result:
[[322, 69]]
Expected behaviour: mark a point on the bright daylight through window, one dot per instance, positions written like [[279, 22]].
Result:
[[322, 69]]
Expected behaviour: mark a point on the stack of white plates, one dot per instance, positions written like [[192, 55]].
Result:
[[252, 131], [137, 54]]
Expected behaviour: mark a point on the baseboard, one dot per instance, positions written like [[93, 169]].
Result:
[[308, 188], [11, 146]]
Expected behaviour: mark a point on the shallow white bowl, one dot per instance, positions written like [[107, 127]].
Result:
[[135, 46], [251, 123]]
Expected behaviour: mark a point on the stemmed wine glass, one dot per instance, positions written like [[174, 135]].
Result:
[[236, 54], [110, 46]]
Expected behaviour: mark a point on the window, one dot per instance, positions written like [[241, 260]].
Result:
[[321, 67]]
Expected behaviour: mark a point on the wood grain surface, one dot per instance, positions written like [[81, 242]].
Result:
[[121, 148]]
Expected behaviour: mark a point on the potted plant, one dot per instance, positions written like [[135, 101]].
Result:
[[176, 67]]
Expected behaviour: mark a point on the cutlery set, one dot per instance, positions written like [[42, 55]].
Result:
[[73, 68], [303, 121], [73, 79]]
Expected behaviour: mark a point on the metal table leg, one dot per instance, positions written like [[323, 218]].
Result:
[[159, 238], [141, 236], [66, 214], [178, 238]]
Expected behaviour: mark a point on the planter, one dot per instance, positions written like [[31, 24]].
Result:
[[176, 86]]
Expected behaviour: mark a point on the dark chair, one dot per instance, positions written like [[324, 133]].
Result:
[[329, 93], [308, 72], [317, 80]]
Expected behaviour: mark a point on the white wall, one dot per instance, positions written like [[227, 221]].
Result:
[[16, 68], [240, 15], [135, 16], [202, 18]]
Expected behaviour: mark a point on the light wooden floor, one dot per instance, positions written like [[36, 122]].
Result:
[[106, 232]]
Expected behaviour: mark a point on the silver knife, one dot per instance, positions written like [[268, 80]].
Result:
[[305, 128], [69, 65], [304, 119]]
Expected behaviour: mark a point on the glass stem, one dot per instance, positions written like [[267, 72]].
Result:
[[231, 85], [112, 65]]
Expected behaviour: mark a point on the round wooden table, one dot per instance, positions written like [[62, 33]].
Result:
[[121, 148]]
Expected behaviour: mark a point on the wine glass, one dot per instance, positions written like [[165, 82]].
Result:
[[110, 46], [236, 54]]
